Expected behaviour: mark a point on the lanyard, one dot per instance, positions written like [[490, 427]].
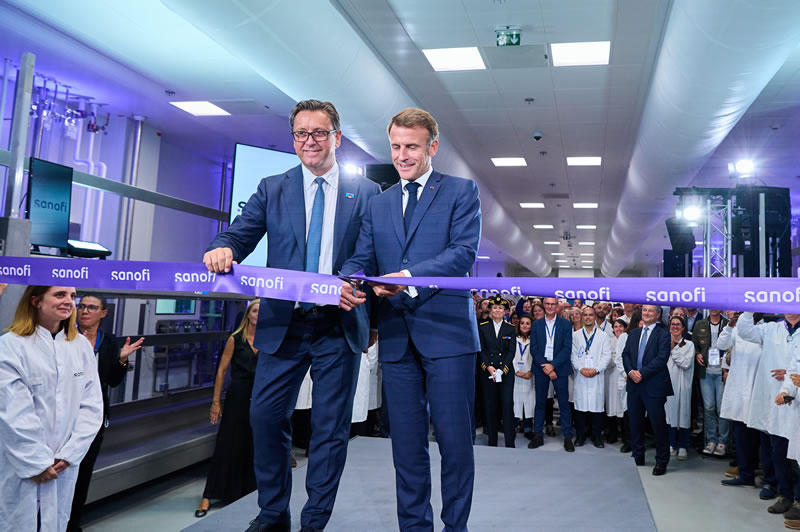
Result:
[[522, 348], [588, 340], [97, 341], [603, 328], [790, 338], [550, 332]]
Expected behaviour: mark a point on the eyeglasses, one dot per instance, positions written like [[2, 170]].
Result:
[[92, 308], [318, 134]]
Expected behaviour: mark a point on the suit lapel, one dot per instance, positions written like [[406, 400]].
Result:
[[425, 199], [396, 211], [295, 205], [345, 203]]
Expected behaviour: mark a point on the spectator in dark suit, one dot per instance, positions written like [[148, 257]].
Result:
[[645, 360], [498, 348]]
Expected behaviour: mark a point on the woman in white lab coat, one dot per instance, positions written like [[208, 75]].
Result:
[[524, 396], [51, 408], [591, 354], [615, 405], [681, 372]]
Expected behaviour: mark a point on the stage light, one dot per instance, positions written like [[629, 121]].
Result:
[[692, 213], [350, 168], [742, 168]]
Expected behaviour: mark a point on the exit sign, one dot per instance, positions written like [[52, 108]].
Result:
[[507, 37]]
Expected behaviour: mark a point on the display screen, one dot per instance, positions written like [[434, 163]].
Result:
[[48, 203], [174, 306], [250, 165]]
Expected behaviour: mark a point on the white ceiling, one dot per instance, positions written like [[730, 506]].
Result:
[[128, 53]]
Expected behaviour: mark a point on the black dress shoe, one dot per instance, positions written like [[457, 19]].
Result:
[[579, 441], [660, 469], [200, 512], [611, 440], [549, 430], [626, 448], [597, 442], [568, 445], [639, 461], [258, 526], [529, 435], [536, 441]]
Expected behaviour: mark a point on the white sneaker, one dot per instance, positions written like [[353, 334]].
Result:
[[720, 450], [683, 454], [710, 448], [673, 451]]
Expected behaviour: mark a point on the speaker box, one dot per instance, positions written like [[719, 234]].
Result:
[[674, 264], [681, 236]]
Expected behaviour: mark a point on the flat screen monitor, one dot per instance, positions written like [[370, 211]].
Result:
[[174, 306], [250, 165], [48, 203]]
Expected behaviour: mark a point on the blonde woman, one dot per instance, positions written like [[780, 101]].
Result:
[[51, 408], [231, 474]]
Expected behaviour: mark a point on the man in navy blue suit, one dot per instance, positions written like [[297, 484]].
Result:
[[427, 225], [551, 349], [645, 359], [311, 215]]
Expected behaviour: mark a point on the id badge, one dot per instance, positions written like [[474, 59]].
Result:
[[548, 352], [589, 362], [713, 357], [498, 376]]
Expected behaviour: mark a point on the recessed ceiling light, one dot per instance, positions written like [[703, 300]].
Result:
[[580, 53], [588, 267], [201, 108], [532, 205], [552, 243], [542, 226], [584, 205], [584, 161], [562, 260], [557, 254], [586, 227], [449, 59], [586, 243], [563, 267], [509, 161], [587, 254], [485, 257], [587, 261], [698, 243]]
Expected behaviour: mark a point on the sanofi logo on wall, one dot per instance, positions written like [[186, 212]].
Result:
[[58, 206]]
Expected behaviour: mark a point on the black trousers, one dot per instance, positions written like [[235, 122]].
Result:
[[82, 484], [549, 408], [498, 400], [639, 404], [589, 421]]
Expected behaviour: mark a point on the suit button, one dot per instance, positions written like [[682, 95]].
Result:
[[405, 261]]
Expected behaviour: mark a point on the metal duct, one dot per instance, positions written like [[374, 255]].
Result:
[[315, 53], [715, 59]]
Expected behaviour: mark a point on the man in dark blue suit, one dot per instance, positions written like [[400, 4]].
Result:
[[311, 215], [428, 225], [645, 359], [551, 349]]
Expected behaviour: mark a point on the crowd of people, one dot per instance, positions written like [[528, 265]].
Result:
[[726, 377]]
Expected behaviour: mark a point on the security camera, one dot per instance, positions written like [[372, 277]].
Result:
[[537, 135]]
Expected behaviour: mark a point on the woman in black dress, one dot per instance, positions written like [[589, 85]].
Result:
[[231, 474]]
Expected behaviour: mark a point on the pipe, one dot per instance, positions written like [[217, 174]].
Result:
[[41, 111], [715, 59], [126, 223], [19, 135], [3, 93]]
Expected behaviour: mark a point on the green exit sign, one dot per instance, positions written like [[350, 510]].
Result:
[[508, 37]]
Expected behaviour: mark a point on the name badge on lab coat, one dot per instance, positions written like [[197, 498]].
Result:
[[548, 352], [713, 357], [589, 363]]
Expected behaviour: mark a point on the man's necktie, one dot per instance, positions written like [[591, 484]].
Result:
[[314, 239], [642, 346], [411, 188]]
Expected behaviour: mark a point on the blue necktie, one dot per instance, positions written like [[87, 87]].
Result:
[[411, 188], [314, 239], [642, 346]]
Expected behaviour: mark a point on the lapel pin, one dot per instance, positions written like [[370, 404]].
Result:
[[349, 195], [431, 187]]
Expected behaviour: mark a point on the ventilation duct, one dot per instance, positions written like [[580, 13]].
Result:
[[315, 53], [715, 59]]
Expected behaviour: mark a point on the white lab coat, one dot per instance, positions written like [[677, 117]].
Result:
[[776, 353], [741, 376], [369, 361], [524, 396], [681, 371], [589, 392], [615, 402], [304, 395], [51, 407], [375, 385], [793, 451]]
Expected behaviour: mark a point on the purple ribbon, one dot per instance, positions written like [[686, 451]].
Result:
[[736, 293], [172, 277]]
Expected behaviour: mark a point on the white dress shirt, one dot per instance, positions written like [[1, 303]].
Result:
[[422, 180], [649, 330], [329, 187], [497, 325]]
